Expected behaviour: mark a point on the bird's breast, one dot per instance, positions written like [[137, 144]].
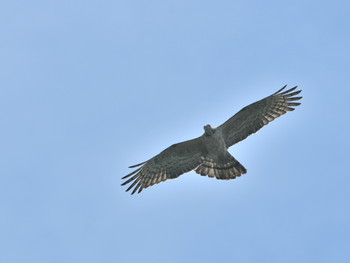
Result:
[[215, 143]]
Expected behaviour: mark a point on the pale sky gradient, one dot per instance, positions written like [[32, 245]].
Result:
[[91, 87]]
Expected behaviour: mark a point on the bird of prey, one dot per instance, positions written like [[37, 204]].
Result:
[[207, 155]]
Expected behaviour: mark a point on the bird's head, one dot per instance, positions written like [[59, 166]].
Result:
[[208, 130]]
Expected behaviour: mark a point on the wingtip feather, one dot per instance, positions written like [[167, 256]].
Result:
[[281, 89], [135, 165], [133, 172], [136, 188], [287, 91], [293, 103]]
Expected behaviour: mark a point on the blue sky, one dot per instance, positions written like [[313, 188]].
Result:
[[91, 87]]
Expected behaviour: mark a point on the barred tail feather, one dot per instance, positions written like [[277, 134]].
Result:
[[221, 171]]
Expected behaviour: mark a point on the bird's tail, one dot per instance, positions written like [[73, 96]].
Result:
[[226, 169]]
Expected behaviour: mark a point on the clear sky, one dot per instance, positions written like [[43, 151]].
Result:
[[91, 87]]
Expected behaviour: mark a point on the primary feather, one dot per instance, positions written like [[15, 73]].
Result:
[[252, 118], [207, 155]]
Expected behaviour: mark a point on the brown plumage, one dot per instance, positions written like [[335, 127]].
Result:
[[207, 155]]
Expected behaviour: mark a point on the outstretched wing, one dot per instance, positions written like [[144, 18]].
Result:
[[169, 164], [252, 118]]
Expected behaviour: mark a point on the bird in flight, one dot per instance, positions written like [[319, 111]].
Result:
[[207, 155]]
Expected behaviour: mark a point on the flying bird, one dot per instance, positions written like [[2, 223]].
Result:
[[207, 155]]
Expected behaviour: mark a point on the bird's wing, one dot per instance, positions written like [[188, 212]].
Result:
[[252, 118], [169, 164]]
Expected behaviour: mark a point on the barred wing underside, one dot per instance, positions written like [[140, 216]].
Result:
[[256, 115], [169, 164]]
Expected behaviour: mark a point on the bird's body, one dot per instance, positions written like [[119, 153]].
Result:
[[207, 155]]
